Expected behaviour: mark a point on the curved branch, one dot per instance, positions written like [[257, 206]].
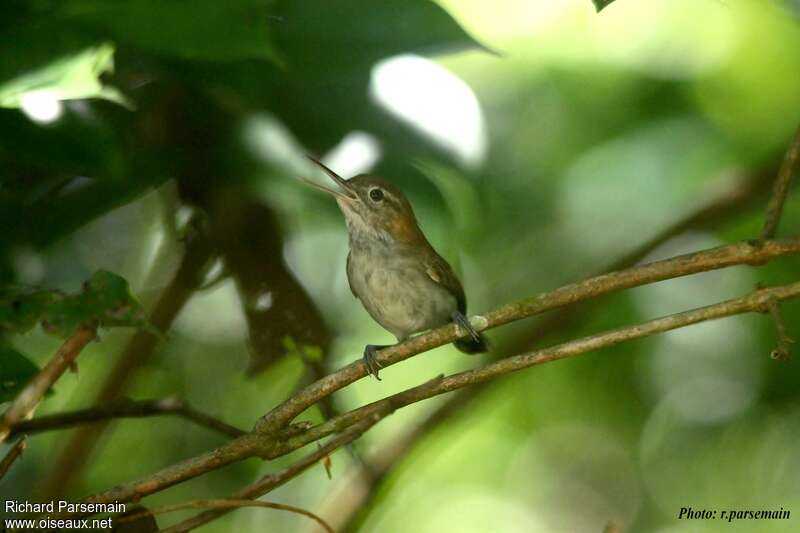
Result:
[[226, 504], [29, 397], [683, 265], [274, 438], [757, 301]]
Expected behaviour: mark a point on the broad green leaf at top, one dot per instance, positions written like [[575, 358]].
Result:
[[207, 30]]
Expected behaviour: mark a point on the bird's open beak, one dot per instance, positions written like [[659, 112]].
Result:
[[346, 193]]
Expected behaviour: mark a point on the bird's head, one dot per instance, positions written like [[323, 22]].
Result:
[[373, 208]]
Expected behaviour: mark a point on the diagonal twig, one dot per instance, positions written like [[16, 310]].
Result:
[[712, 259], [753, 302], [13, 454], [782, 350], [29, 397], [781, 188]]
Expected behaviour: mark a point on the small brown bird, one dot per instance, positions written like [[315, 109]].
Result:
[[400, 279]]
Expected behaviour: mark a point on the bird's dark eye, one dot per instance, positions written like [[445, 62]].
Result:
[[376, 195]]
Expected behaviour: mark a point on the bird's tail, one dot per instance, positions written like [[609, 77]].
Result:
[[470, 345]]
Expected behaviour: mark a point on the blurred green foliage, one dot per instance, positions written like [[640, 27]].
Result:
[[105, 299], [579, 138], [195, 30]]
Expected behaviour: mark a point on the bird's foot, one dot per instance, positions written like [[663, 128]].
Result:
[[371, 359], [463, 322]]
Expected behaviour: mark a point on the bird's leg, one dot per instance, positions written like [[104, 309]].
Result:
[[371, 358], [462, 322]]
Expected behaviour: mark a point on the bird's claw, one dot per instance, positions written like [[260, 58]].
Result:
[[371, 360], [463, 322]]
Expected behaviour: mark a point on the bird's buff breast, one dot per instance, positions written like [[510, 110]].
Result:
[[397, 292]]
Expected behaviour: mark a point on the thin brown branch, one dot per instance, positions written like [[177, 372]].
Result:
[[757, 301], [273, 443], [226, 504], [125, 408], [140, 349], [744, 194], [747, 193], [782, 350], [273, 481], [13, 454], [775, 207], [712, 259], [29, 397]]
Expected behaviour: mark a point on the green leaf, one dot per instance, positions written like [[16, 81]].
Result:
[[208, 30], [72, 77], [105, 298], [15, 372], [363, 33], [599, 5]]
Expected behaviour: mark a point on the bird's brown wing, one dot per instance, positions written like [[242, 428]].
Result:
[[442, 273]]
